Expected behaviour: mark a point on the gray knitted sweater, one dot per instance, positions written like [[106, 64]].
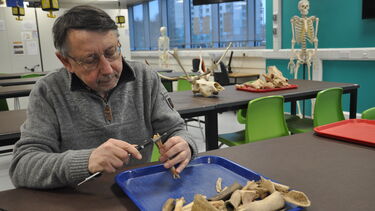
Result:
[[66, 121]]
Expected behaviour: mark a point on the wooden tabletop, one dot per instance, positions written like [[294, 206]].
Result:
[[335, 175]]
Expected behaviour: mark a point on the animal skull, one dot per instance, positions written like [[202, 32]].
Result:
[[200, 83], [206, 88]]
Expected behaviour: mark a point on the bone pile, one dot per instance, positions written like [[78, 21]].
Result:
[[262, 195], [273, 79]]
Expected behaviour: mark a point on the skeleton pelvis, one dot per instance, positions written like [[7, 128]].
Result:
[[206, 88]]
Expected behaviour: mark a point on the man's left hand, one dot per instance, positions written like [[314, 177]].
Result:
[[177, 150]]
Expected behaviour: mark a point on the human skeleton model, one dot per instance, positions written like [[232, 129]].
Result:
[[163, 44], [303, 33]]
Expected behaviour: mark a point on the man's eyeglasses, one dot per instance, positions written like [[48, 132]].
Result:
[[92, 62]]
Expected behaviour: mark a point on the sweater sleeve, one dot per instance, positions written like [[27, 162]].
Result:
[[165, 118], [38, 161]]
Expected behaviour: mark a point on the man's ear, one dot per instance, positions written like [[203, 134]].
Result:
[[65, 62]]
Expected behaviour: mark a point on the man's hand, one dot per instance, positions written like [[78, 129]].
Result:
[[177, 150], [111, 155]]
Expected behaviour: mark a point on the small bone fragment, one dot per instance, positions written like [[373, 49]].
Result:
[[220, 205], [250, 185], [168, 205], [179, 204], [218, 185], [280, 187], [201, 204], [267, 184], [188, 206], [298, 198], [225, 194], [234, 201], [160, 145], [273, 202], [248, 196], [262, 192]]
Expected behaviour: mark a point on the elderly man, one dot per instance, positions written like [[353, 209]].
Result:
[[88, 116]]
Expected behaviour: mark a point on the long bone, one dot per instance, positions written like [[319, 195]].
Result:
[[214, 64]]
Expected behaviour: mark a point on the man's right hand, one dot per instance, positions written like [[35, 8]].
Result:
[[112, 155]]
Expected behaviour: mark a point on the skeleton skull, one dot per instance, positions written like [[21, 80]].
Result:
[[206, 88], [303, 7]]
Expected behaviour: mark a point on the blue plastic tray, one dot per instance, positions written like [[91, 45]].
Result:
[[151, 186]]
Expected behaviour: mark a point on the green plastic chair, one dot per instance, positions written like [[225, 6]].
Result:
[[369, 114], [327, 109], [264, 120], [155, 154], [183, 85], [168, 85], [241, 113], [31, 75], [241, 116], [4, 105]]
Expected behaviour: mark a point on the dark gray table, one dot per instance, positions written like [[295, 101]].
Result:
[[189, 105], [10, 127], [335, 175], [18, 75], [19, 81], [15, 91]]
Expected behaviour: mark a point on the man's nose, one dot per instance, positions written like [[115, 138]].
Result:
[[105, 66]]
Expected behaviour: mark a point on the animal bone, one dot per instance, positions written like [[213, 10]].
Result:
[[225, 194], [179, 204], [160, 146], [206, 88], [168, 205], [297, 197], [267, 184], [200, 203], [273, 79], [200, 83], [218, 185], [250, 185], [234, 201], [214, 65], [272, 202], [248, 196]]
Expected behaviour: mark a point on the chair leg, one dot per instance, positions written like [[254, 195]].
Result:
[[17, 105], [201, 128]]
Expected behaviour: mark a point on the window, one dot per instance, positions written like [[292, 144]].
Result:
[[201, 26], [138, 23], [260, 23], [206, 26], [233, 24], [176, 29], [155, 23]]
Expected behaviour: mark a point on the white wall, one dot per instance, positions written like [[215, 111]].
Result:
[[18, 31], [14, 30]]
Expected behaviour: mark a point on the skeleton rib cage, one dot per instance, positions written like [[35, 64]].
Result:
[[304, 30]]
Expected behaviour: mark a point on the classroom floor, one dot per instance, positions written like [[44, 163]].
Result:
[[224, 127]]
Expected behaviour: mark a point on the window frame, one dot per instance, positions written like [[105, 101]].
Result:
[[251, 39]]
